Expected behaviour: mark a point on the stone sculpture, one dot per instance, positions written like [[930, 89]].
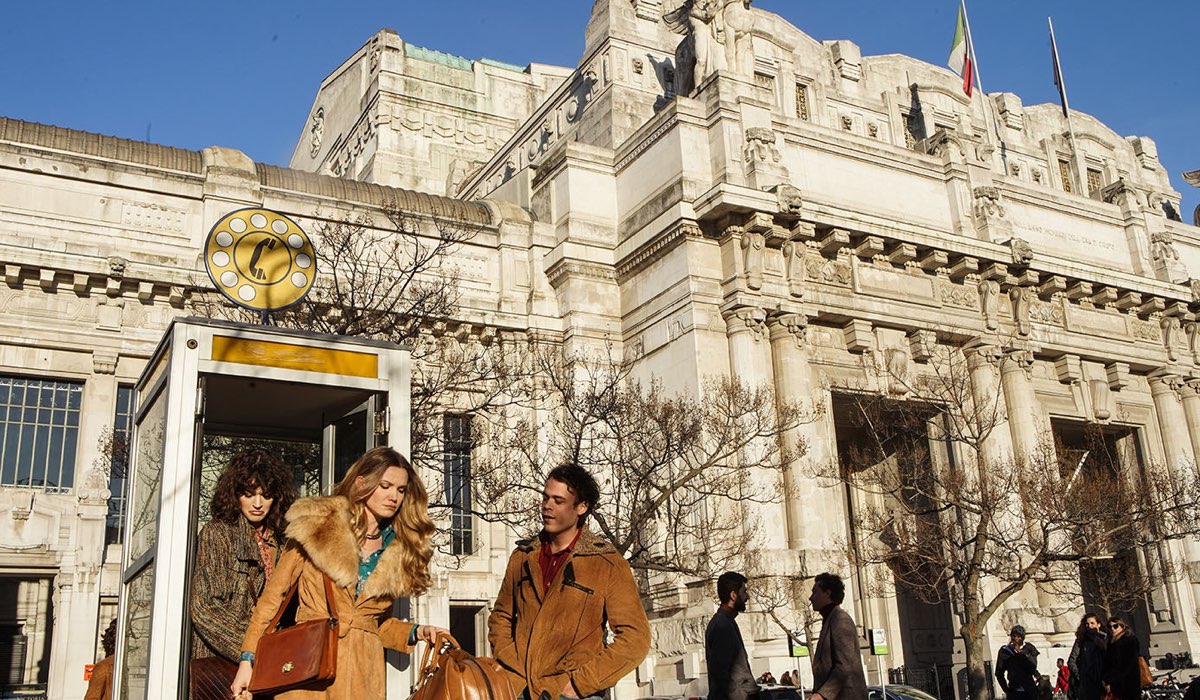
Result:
[[707, 43]]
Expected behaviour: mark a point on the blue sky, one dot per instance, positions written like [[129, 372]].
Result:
[[243, 74]]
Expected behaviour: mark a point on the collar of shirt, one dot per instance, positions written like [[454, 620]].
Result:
[[551, 562], [367, 564]]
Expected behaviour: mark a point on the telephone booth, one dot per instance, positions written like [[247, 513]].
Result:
[[209, 387]]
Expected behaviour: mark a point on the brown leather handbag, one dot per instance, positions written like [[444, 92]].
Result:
[[449, 673], [210, 678], [301, 656]]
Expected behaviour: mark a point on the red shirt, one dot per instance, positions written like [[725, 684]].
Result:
[[551, 562]]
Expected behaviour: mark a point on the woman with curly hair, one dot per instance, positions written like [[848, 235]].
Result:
[[1086, 661], [372, 538], [237, 551], [100, 684]]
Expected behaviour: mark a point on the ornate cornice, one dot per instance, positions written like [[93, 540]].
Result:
[[656, 248]]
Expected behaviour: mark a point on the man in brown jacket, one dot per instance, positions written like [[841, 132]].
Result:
[[837, 663], [562, 593]]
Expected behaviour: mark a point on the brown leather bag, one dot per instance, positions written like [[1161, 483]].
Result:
[[301, 656], [1144, 674], [449, 673], [210, 678]]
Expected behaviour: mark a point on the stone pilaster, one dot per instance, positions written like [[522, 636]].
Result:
[[983, 364], [750, 363], [1023, 410], [809, 509], [1190, 393]]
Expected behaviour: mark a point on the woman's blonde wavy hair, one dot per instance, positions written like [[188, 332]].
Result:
[[414, 529]]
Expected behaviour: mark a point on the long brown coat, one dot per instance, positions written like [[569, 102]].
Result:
[[320, 541], [100, 686], [544, 635], [229, 577]]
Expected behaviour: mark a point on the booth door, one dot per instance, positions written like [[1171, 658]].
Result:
[[347, 436]]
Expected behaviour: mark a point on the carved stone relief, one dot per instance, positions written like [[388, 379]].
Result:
[[1170, 336], [753, 243], [827, 271], [760, 146], [989, 303], [793, 267], [958, 295], [316, 132], [1022, 252], [1021, 298], [791, 202]]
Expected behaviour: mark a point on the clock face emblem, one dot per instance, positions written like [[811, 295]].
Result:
[[260, 259]]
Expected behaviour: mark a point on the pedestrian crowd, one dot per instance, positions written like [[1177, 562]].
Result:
[[567, 624], [1105, 663]]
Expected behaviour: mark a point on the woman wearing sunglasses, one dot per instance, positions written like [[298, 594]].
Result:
[[1122, 675]]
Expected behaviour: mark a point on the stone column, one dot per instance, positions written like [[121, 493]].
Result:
[[1190, 392], [1170, 411], [983, 363], [811, 510], [750, 363], [1023, 410]]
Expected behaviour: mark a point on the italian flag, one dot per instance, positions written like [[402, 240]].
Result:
[[960, 54]]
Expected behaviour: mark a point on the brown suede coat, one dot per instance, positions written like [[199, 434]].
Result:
[[320, 541], [545, 635]]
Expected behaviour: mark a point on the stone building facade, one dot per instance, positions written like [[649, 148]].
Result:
[[789, 211]]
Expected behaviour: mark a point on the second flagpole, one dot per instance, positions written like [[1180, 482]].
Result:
[[988, 108]]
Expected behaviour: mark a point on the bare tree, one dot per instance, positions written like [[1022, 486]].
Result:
[[948, 517], [678, 472]]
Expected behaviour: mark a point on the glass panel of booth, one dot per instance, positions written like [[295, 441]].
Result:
[[144, 483]]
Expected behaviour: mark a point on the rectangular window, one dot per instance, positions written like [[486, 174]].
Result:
[[118, 449], [1064, 173], [39, 429], [456, 436], [1095, 181], [802, 101]]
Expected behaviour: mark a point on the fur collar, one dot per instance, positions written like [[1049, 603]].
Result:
[[587, 545], [321, 526]]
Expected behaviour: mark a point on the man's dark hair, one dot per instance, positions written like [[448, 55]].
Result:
[[832, 583], [580, 483], [727, 583]]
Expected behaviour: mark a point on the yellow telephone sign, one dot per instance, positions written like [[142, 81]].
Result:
[[260, 259]]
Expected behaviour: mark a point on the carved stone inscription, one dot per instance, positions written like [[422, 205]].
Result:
[[880, 282], [1061, 236], [1098, 323]]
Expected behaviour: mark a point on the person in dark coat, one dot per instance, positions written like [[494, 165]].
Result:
[[1086, 661], [1122, 675], [729, 675], [1016, 667], [837, 662], [237, 550]]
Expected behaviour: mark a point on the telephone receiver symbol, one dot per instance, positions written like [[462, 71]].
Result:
[[258, 272]]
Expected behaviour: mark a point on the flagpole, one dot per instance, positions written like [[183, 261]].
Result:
[[1062, 85], [988, 108]]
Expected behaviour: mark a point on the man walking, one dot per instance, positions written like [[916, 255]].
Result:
[[837, 663], [1016, 667], [729, 676], [563, 592]]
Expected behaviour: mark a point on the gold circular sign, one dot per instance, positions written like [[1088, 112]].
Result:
[[260, 259]]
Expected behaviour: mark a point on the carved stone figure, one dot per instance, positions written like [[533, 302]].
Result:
[[1192, 177], [791, 202], [316, 132], [1167, 264], [988, 203], [760, 145], [703, 50], [1022, 252]]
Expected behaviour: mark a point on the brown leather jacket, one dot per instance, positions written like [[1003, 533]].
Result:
[[544, 635]]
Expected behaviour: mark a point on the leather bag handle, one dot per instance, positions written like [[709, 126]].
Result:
[[429, 660], [330, 604]]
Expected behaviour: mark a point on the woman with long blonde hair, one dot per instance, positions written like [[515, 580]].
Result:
[[372, 538]]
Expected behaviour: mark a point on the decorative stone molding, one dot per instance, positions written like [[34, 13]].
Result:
[[753, 242], [945, 144], [1118, 375], [746, 319], [789, 325], [1167, 264], [834, 241], [104, 361], [793, 267], [832, 272], [1122, 194], [981, 353], [923, 345], [1170, 333], [1193, 340], [648, 9], [989, 303], [896, 363], [1022, 252], [760, 145], [1101, 399], [1069, 369], [1022, 299], [791, 202], [1022, 359], [858, 335], [93, 487], [959, 295], [988, 204], [1162, 381]]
